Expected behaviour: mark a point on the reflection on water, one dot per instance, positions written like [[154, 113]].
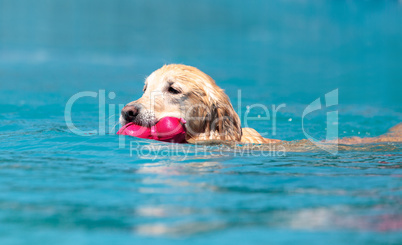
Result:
[[274, 193]]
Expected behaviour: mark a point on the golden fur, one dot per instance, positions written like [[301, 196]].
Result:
[[186, 92]]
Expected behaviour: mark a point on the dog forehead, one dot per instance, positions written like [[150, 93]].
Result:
[[193, 79], [160, 78], [155, 80]]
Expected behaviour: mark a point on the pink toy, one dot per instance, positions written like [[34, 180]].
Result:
[[168, 129]]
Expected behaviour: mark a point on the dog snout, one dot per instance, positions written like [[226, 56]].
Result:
[[130, 112]]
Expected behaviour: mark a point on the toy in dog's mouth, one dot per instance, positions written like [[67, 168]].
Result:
[[168, 129]]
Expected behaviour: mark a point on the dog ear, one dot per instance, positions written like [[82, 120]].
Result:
[[225, 123]]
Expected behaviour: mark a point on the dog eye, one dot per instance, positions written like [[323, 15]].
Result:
[[173, 90]]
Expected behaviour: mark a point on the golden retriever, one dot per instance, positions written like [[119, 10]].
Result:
[[186, 92]]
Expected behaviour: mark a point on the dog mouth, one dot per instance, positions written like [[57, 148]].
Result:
[[145, 122], [146, 119]]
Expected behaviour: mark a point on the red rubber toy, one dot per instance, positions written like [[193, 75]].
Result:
[[168, 129]]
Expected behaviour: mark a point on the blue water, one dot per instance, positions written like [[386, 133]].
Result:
[[57, 187]]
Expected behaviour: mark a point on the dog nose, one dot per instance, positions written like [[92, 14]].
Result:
[[130, 112]]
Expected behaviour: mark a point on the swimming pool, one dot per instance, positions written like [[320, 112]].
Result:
[[59, 187]]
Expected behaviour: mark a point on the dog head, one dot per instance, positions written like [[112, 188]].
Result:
[[185, 92]]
